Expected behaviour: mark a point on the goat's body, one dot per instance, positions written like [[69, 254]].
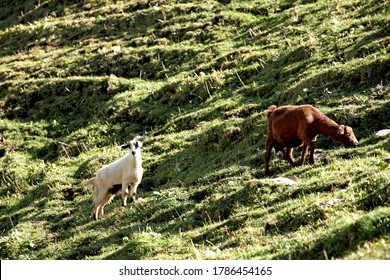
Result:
[[125, 172], [114, 174], [291, 127]]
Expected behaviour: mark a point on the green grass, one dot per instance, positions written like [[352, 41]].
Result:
[[78, 79]]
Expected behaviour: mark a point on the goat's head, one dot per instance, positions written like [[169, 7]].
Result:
[[346, 136], [134, 145]]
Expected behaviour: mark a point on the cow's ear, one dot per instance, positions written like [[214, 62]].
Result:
[[341, 130]]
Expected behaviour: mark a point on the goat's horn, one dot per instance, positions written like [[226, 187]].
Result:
[[140, 138]]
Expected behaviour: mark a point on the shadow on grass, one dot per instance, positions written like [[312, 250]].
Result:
[[290, 222], [92, 246], [343, 240], [11, 216], [58, 226]]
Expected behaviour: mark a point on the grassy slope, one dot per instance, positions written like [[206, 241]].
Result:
[[77, 79]]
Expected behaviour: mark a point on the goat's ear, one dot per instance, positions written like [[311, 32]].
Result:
[[138, 144], [125, 146], [341, 129]]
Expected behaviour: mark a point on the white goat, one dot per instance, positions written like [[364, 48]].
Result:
[[118, 176]]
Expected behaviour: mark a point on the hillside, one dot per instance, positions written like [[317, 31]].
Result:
[[79, 78]]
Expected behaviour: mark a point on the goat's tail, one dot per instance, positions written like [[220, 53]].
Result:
[[271, 109], [89, 182]]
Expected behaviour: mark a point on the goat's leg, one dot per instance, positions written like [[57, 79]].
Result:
[[125, 191], [95, 210], [107, 198], [97, 199], [133, 191]]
